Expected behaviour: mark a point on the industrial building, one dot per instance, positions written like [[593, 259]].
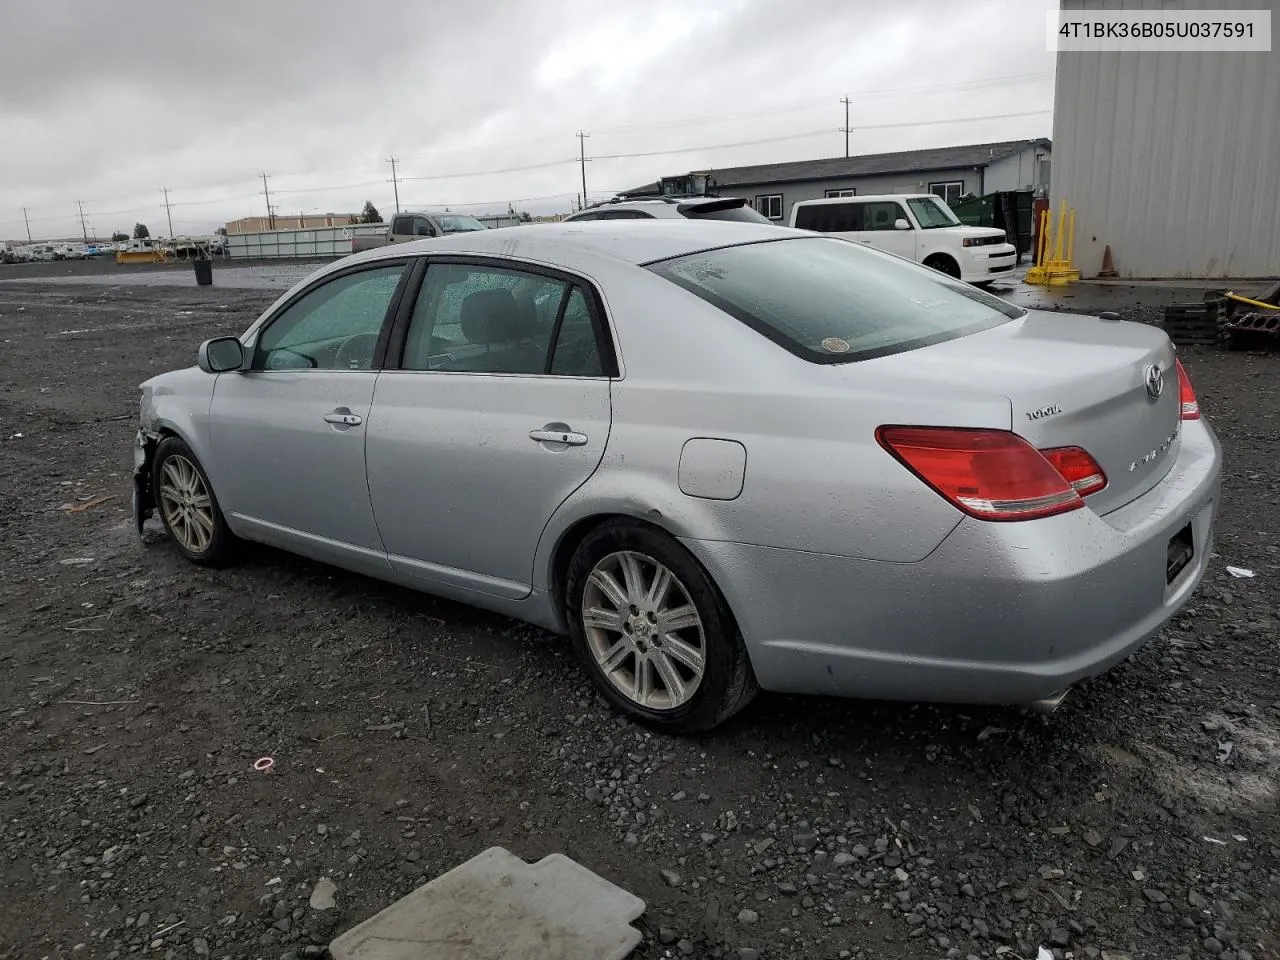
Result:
[[977, 170], [284, 222], [1171, 159]]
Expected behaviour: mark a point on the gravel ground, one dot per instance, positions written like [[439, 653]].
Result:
[[409, 733]]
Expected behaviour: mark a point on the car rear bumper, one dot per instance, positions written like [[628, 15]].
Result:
[[998, 613]]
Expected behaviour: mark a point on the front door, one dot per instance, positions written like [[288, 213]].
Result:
[[499, 411], [877, 227], [296, 421]]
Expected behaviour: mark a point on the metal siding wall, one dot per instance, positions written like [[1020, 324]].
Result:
[[1171, 158]]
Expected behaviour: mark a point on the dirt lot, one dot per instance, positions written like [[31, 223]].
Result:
[[408, 734]]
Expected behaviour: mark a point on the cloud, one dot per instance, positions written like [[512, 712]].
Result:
[[107, 103]]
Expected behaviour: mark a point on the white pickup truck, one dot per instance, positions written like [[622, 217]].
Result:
[[918, 227]]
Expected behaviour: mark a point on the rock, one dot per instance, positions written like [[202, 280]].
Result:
[[672, 878], [1060, 937], [748, 953], [322, 896], [861, 852], [749, 917], [1212, 946], [200, 946], [1020, 894], [1155, 896], [685, 947], [1197, 901], [805, 842], [666, 935], [709, 838], [1092, 837], [788, 889], [843, 859]]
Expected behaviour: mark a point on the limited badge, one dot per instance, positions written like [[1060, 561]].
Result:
[[835, 345]]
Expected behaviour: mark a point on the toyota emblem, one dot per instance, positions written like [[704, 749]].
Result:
[[1155, 382]]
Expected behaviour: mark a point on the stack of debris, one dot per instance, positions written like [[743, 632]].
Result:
[[1241, 323]]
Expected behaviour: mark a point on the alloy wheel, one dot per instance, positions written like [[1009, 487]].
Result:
[[188, 508], [644, 630]]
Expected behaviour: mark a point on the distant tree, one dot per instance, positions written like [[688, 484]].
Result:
[[370, 213], [140, 231], [119, 237], [525, 217], [221, 231]]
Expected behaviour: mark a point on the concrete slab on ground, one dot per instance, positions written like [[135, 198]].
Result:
[[497, 907]]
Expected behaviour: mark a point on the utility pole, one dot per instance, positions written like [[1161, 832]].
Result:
[[84, 231], [27, 221], [167, 213], [845, 128], [395, 184], [266, 192], [582, 160]]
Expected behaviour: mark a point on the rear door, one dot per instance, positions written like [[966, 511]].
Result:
[[498, 411]]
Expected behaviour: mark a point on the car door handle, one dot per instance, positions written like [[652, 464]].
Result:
[[344, 419], [568, 437]]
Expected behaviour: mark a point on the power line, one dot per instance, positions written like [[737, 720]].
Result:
[[395, 184], [485, 173]]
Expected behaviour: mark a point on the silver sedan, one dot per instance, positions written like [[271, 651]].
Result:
[[719, 456]]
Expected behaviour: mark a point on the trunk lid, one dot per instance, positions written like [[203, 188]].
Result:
[[1073, 381]]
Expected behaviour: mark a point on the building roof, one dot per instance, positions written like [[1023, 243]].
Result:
[[873, 164]]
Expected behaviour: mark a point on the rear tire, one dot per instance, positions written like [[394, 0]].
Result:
[[653, 631], [943, 264], [187, 506]]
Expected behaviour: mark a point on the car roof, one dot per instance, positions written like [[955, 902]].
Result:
[[632, 241], [862, 198]]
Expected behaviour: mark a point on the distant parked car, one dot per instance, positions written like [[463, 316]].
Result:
[[919, 227], [671, 208], [720, 456], [415, 226]]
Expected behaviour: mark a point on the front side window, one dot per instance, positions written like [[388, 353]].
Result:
[[489, 319], [932, 213], [881, 215], [833, 301], [770, 206], [422, 227], [332, 327]]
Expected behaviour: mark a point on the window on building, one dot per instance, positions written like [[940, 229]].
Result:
[[770, 205], [949, 190], [1044, 173], [841, 192]]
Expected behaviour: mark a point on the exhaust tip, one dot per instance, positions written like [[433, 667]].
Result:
[[1049, 704]]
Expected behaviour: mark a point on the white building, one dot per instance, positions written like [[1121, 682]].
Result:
[[1171, 159]]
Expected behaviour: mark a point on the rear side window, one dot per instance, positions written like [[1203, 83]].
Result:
[[833, 301], [737, 210], [830, 217]]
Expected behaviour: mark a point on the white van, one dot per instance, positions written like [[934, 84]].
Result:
[[918, 227]]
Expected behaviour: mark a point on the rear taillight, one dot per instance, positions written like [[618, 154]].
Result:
[[1077, 468], [1189, 406], [989, 474]]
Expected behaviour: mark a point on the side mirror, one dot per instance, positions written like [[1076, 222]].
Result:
[[901, 224], [220, 355]]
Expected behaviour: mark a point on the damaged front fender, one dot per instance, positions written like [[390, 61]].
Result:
[[144, 499]]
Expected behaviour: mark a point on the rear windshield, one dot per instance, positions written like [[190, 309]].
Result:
[[740, 211], [832, 301]]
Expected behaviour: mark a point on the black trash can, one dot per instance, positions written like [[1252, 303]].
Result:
[[204, 272]]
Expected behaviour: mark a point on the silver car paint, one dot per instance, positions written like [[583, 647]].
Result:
[[845, 574]]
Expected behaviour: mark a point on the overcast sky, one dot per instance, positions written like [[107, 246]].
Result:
[[107, 102]]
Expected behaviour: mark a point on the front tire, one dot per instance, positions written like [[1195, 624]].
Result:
[[944, 264], [188, 507], [653, 631]]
